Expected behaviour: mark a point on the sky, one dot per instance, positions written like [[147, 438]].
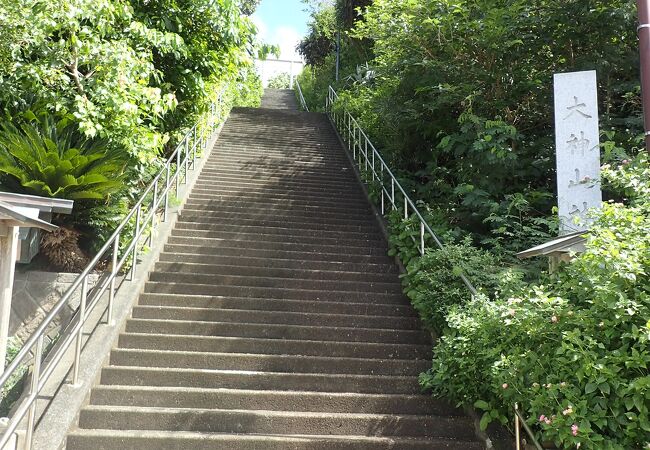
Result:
[[283, 23]]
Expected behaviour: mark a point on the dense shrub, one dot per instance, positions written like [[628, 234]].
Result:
[[575, 351], [460, 100], [127, 77], [280, 81]]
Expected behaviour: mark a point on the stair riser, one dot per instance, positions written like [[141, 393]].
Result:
[[279, 209], [277, 168], [277, 263], [248, 422], [278, 254], [267, 292], [290, 233], [270, 191], [204, 269], [245, 170], [258, 218], [128, 376], [271, 401], [216, 243], [262, 197], [279, 184], [392, 287], [275, 347], [109, 441], [268, 363], [259, 304], [280, 318], [206, 223]]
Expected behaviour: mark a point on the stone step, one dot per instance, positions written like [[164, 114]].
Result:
[[277, 167], [266, 304], [270, 400], [281, 231], [268, 422], [174, 440], [281, 208], [359, 227], [278, 253], [256, 380], [229, 191], [269, 271], [303, 183], [267, 363], [207, 216], [237, 196], [252, 261], [328, 172], [220, 344], [389, 324], [166, 287], [216, 243]]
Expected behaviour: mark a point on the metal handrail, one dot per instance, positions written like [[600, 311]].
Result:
[[359, 143], [520, 421], [151, 201], [302, 98]]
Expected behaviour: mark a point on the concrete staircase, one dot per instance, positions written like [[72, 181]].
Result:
[[274, 318]]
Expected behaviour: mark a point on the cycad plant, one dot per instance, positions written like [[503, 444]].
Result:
[[48, 156]]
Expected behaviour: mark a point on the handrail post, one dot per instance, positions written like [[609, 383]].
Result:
[[178, 166], [136, 240], [167, 187], [422, 238], [33, 390], [517, 427], [187, 152], [111, 292], [154, 208], [82, 320], [406, 207]]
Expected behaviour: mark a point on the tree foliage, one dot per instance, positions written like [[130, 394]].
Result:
[[464, 89], [129, 75]]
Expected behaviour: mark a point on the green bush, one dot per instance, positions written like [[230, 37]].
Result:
[[573, 352], [433, 282], [51, 158], [280, 81]]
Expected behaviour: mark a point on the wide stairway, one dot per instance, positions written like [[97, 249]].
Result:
[[274, 318]]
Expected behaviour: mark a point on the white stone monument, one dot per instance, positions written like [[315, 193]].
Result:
[[577, 148]]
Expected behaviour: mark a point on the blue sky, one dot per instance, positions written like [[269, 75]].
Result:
[[282, 22]]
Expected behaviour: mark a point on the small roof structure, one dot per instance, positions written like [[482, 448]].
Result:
[[16, 212], [19, 216], [573, 242], [43, 204]]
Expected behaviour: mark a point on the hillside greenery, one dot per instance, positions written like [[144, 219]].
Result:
[[94, 95]]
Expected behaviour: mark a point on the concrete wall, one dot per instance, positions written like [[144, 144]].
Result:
[[34, 295]]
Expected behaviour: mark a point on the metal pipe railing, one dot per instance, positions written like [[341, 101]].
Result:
[[520, 421], [360, 145], [303, 104], [150, 203]]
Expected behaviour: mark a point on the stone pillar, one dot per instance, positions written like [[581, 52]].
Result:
[[8, 248]]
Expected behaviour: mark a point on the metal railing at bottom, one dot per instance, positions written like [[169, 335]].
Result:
[[303, 104], [520, 421], [142, 219], [369, 161]]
